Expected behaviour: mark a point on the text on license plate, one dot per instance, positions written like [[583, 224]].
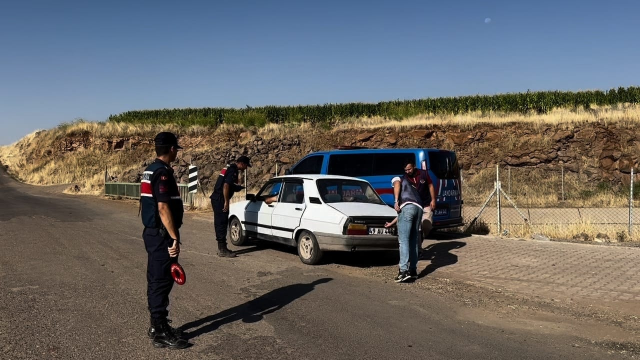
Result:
[[381, 231], [439, 212]]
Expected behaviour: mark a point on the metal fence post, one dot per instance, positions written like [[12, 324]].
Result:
[[562, 168], [498, 199], [245, 183], [509, 180], [631, 206]]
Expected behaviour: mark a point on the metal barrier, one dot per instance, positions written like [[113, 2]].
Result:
[[132, 191]]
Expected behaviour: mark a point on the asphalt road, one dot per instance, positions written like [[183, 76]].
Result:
[[73, 286]]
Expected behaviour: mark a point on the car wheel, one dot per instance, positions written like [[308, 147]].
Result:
[[236, 235], [308, 248]]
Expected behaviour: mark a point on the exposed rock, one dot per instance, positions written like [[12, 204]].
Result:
[[365, 136], [492, 136], [458, 139], [562, 135], [540, 237], [420, 134], [607, 163], [625, 164], [610, 154]]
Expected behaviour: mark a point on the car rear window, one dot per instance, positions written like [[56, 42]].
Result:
[[444, 164], [371, 164]]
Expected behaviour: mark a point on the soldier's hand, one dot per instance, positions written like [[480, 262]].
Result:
[[226, 207], [175, 249]]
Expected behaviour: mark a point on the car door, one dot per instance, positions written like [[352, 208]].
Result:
[[288, 210], [258, 213]]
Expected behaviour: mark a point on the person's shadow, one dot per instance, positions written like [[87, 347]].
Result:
[[440, 256], [251, 311]]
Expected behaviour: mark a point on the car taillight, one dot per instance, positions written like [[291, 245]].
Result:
[[357, 229]]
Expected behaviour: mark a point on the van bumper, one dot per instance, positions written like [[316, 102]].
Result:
[[335, 242], [443, 224]]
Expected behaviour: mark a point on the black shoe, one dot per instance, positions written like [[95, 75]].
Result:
[[402, 276], [223, 251], [152, 330], [165, 338], [413, 274]]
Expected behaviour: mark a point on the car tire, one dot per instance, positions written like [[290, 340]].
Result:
[[308, 248], [236, 235]]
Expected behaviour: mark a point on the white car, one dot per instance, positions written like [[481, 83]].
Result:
[[315, 213]]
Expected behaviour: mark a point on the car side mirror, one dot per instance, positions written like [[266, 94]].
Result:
[[251, 197]]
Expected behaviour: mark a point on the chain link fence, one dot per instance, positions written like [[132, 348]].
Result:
[[557, 203]]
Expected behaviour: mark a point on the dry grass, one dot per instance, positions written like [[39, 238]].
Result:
[[627, 115], [535, 187], [579, 231]]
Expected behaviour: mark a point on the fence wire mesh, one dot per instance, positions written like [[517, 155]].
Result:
[[552, 203]]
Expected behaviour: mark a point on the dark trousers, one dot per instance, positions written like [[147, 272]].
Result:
[[220, 219], [159, 279]]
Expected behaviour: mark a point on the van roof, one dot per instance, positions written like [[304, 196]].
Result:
[[317, 177], [374, 150]]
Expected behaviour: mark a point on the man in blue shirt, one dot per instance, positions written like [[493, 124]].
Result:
[[228, 183]]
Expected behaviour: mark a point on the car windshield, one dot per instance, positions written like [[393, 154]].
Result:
[[339, 190]]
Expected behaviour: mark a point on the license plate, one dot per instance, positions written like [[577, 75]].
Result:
[[381, 231], [440, 212]]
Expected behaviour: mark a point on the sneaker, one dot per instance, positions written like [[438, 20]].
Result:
[[402, 276], [176, 331], [413, 274]]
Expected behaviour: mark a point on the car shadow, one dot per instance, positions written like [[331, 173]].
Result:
[[363, 259], [440, 256], [251, 311]]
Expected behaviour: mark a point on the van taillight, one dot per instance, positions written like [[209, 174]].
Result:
[[357, 229]]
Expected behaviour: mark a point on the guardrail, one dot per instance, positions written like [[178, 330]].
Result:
[[132, 191]]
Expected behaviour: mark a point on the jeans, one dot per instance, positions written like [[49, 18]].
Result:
[[409, 220]]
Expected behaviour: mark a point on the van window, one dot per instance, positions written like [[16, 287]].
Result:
[[444, 164], [359, 165], [338, 190], [311, 165]]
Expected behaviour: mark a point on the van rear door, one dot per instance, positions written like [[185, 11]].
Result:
[[444, 171]]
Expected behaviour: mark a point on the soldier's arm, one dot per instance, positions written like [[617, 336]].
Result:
[[167, 220], [226, 191]]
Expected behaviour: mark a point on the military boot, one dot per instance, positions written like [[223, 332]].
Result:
[[164, 337], [153, 329], [223, 251]]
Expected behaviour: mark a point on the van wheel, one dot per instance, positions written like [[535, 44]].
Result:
[[308, 248], [236, 235]]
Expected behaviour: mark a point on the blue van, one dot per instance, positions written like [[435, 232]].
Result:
[[379, 166]]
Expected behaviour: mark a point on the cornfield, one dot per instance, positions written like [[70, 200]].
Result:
[[540, 102]]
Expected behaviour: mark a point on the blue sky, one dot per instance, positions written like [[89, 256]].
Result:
[[61, 60]]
